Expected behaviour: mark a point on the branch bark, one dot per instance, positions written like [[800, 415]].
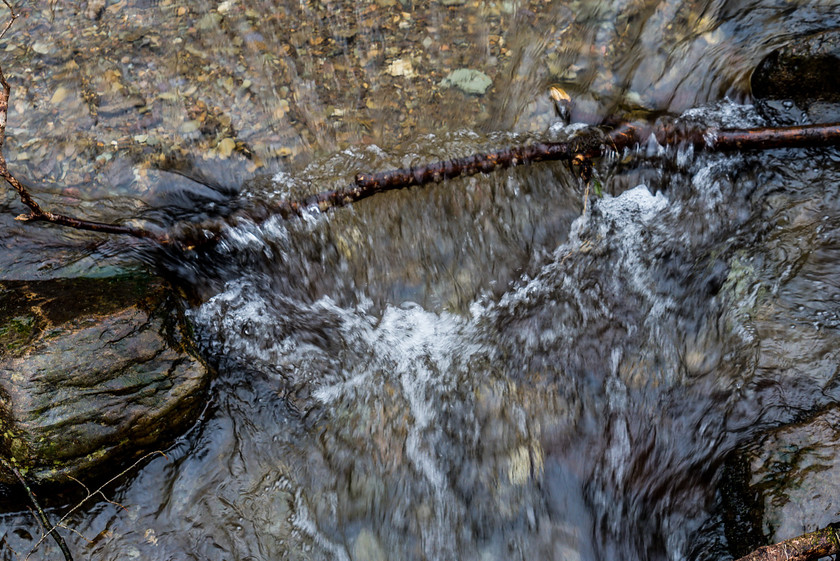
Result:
[[595, 145], [808, 547], [580, 151]]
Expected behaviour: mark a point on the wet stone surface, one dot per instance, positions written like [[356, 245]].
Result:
[[441, 373], [791, 478], [92, 372], [799, 82]]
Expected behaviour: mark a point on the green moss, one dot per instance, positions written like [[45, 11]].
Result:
[[744, 288], [16, 333], [100, 352]]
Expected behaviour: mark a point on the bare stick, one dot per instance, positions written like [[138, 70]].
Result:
[[725, 140], [98, 491], [578, 151], [49, 529], [13, 15], [808, 547], [592, 144]]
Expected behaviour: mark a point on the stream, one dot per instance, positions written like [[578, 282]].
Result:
[[489, 368]]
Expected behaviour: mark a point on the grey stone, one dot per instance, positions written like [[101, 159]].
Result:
[[468, 80], [92, 371], [791, 479], [367, 548]]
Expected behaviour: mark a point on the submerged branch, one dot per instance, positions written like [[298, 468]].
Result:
[[808, 547], [42, 517]]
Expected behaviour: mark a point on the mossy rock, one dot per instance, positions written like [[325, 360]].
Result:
[[800, 82], [92, 372]]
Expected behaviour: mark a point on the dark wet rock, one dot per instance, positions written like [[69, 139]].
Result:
[[800, 82], [92, 371], [790, 480], [742, 508]]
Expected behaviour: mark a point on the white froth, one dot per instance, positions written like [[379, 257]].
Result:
[[619, 222], [727, 114], [415, 349], [283, 184]]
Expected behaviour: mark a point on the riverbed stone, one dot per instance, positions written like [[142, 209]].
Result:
[[92, 372], [367, 547], [799, 82], [468, 80], [792, 478]]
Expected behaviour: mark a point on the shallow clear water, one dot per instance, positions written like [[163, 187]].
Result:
[[477, 369]]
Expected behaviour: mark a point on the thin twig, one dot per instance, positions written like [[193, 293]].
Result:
[[5, 542], [41, 515], [99, 490], [13, 15]]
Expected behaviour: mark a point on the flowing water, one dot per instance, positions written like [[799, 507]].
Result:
[[488, 368]]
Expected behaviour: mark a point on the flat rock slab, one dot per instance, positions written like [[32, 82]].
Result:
[[800, 82], [796, 471], [92, 371]]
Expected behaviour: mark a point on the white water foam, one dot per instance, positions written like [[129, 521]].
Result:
[[619, 222]]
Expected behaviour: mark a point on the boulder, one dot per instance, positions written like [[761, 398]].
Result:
[[800, 82], [92, 372], [785, 484]]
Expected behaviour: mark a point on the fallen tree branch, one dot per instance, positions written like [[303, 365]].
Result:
[[594, 145], [715, 139], [578, 152], [808, 547]]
